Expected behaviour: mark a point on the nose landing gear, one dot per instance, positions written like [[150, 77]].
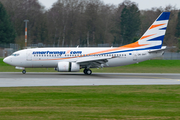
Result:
[[24, 72], [87, 72]]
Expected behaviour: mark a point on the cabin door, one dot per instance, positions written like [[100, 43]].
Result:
[[29, 55]]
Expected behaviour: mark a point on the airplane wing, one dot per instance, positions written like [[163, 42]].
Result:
[[94, 61]]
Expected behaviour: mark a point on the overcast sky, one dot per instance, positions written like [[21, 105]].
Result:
[[143, 4]]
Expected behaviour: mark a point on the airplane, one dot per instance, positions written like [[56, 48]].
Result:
[[75, 58]]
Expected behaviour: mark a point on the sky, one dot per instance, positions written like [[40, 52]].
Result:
[[142, 4]]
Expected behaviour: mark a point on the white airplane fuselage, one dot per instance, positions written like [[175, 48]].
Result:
[[49, 57]]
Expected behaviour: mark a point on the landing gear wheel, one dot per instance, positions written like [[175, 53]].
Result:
[[87, 71], [24, 72]]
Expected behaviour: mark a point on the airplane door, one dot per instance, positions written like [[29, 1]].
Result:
[[29, 55], [135, 57]]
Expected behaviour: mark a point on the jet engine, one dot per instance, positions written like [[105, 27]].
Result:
[[68, 67]]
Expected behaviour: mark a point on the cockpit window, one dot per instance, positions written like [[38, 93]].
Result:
[[15, 55]]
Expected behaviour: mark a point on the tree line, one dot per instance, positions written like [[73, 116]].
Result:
[[79, 22]]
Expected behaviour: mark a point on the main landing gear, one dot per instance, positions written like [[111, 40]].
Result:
[[24, 72], [87, 72]]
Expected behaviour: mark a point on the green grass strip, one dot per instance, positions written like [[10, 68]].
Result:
[[90, 102]]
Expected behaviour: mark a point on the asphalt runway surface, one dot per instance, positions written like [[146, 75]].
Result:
[[12, 79]]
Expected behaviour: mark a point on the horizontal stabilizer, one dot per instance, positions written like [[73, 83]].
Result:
[[163, 48]]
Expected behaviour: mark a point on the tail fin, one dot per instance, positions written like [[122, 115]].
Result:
[[154, 36]]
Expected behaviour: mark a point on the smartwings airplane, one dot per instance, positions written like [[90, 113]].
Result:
[[74, 59]]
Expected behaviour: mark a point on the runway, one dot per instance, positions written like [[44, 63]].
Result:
[[12, 79]]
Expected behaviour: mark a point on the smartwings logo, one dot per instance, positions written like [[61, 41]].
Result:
[[56, 52]]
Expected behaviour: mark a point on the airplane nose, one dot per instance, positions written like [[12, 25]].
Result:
[[6, 60]]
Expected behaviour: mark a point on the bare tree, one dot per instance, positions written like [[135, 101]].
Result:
[[80, 22]]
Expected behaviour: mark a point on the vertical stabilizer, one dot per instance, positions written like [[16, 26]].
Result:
[[154, 36]]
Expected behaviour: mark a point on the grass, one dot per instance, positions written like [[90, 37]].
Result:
[[150, 66], [90, 102], [94, 102]]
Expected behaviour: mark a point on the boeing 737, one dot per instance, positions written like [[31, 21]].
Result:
[[73, 59]]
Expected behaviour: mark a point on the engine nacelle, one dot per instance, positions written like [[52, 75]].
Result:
[[68, 67]]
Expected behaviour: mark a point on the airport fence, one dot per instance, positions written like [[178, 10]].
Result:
[[8, 49], [171, 56]]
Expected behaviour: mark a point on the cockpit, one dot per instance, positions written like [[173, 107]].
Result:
[[15, 55]]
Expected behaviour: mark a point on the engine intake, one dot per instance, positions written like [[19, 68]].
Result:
[[68, 67]]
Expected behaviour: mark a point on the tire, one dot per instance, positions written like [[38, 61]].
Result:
[[85, 71], [88, 72], [24, 72]]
